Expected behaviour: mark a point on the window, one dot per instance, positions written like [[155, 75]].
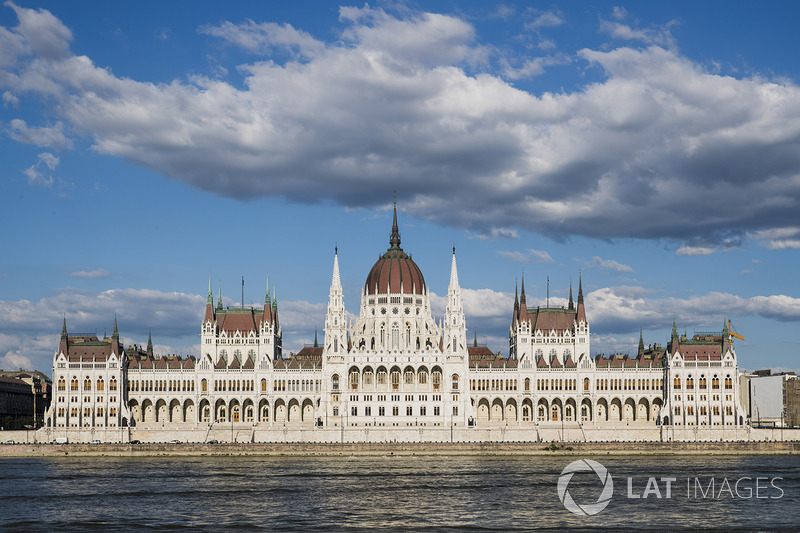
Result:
[[435, 410], [368, 411], [354, 378], [381, 411], [112, 385], [62, 384], [437, 379], [335, 382], [87, 383], [395, 411], [354, 411], [409, 411], [422, 377], [408, 377], [422, 411], [395, 379], [455, 381], [368, 377], [381, 376], [204, 385], [263, 385]]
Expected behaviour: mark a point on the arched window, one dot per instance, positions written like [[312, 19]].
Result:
[[204, 385], [455, 381], [381, 376], [586, 384], [368, 376], [62, 384], [436, 377], [87, 383], [527, 383], [395, 337], [100, 384], [715, 382], [702, 381], [422, 377], [408, 377], [354, 378], [335, 382], [395, 379], [263, 385], [112, 384], [728, 382], [676, 383], [689, 382]]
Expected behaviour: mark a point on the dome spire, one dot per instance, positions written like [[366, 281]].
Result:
[[394, 239]]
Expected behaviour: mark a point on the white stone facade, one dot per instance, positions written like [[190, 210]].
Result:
[[395, 368]]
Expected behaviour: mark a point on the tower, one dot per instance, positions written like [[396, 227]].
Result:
[[336, 320]]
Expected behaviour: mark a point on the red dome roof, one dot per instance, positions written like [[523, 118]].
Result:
[[395, 270]]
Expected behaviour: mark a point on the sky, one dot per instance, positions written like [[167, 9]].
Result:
[[649, 149]]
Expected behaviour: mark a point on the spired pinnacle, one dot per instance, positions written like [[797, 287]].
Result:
[[394, 239]]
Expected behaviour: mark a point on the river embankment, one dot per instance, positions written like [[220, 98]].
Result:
[[436, 448]]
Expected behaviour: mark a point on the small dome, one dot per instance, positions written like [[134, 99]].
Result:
[[395, 270]]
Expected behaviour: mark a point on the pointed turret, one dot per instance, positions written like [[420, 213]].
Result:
[[571, 305], [581, 316], [455, 322], [335, 331], [149, 344], [316, 342], [115, 345], [219, 301], [394, 238], [641, 342], [475, 342], [209, 305], [267, 305], [63, 345], [515, 318]]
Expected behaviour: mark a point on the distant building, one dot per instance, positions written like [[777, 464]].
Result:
[[24, 399], [768, 398], [792, 394]]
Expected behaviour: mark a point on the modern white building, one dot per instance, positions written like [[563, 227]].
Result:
[[396, 366]]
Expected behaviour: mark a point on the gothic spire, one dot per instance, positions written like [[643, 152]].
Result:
[[316, 343], [641, 342], [115, 335], [453, 271], [149, 343], [219, 301], [210, 299], [571, 305], [394, 239], [64, 330]]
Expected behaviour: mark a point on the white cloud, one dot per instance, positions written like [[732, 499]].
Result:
[[411, 99], [545, 19], [51, 137], [259, 38], [10, 99], [96, 273], [695, 250], [779, 238], [610, 264], [530, 256]]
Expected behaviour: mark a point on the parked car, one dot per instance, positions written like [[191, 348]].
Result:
[[213, 441], [9, 442], [60, 440], [135, 442], [95, 441], [175, 441]]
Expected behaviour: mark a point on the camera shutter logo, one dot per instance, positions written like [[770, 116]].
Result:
[[585, 465]]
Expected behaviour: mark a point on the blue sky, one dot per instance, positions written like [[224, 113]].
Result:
[[653, 148]]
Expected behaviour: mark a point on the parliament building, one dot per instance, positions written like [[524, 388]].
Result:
[[393, 368]]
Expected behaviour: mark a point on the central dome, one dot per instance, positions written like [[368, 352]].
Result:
[[395, 271]]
